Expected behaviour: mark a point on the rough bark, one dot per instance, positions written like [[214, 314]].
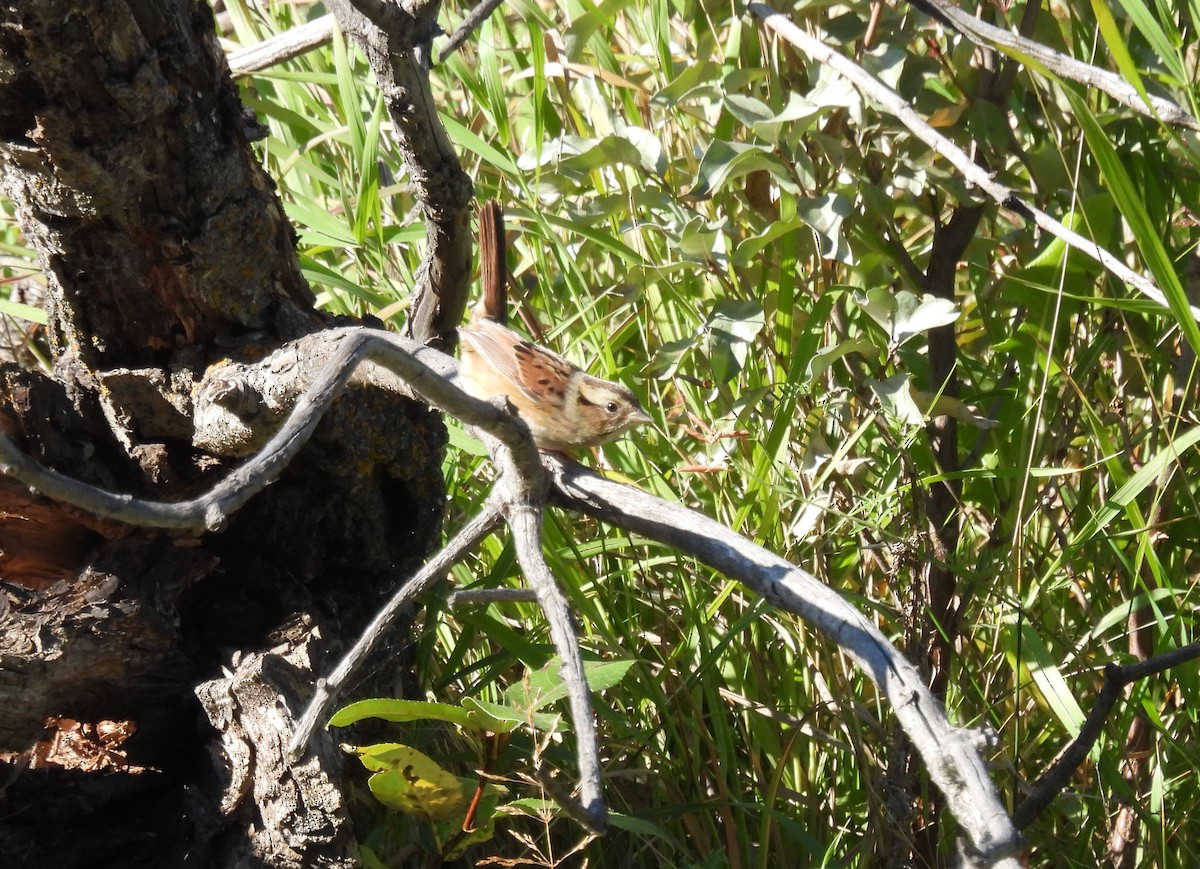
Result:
[[397, 41], [126, 153]]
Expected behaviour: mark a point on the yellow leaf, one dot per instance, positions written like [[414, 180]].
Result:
[[947, 116], [413, 782]]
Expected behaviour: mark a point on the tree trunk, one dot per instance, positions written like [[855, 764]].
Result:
[[125, 151]]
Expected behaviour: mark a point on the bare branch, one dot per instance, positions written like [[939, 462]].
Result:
[[1055, 779], [282, 46], [951, 754], [397, 43], [429, 373], [474, 18], [435, 568], [1045, 60], [526, 524], [975, 175]]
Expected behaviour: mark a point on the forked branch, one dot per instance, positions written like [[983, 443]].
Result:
[[1116, 679], [952, 754]]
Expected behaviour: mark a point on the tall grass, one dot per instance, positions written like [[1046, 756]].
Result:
[[698, 213]]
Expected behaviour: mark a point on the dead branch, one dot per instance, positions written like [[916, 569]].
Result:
[[328, 688], [282, 46], [424, 369], [397, 43], [1116, 679], [1006, 197], [1039, 58], [474, 18], [951, 754], [525, 521]]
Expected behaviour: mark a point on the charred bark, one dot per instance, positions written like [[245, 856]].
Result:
[[125, 151]]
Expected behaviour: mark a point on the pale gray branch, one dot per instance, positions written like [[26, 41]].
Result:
[[426, 371], [950, 753], [526, 524], [974, 174], [397, 42], [1024, 50], [435, 568], [282, 46]]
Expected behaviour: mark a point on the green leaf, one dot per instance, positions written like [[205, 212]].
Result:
[[886, 63], [727, 161], [824, 215], [749, 249], [492, 716], [390, 709], [768, 124], [698, 238], [469, 141], [21, 311], [895, 394], [412, 782], [903, 315], [826, 356], [697, 80], [545, 686], [637, 826], [652, 155], [729, 334], [321, 275], [1148, 474], [316, 226], [485, 823], [1162, 45], [1046, 675], [581, 155], [1116, 47]]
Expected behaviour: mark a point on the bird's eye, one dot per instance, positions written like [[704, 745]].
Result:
[[611, 407]]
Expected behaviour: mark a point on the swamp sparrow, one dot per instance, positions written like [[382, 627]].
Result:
[[565, 408]]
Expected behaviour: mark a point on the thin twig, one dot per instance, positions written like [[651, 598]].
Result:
[[1058, 776], [435, 568], [468, 596], [474, 18], [1043, 59], [975, 175]]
